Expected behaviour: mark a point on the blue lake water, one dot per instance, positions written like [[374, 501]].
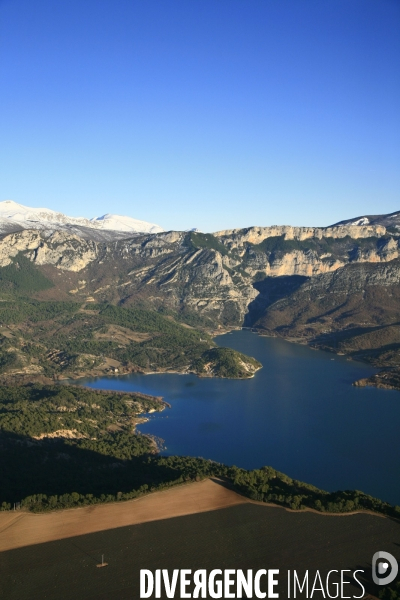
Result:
[[299, 414]]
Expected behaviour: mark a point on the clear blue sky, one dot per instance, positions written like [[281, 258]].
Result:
[[202, 113]]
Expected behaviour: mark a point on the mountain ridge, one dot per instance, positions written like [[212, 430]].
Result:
[[390, 220], [14, 217]]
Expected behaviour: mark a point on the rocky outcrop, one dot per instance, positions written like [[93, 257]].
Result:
[[386, 252], [12, 244], [61, 249], [196, 279], [297, 262]]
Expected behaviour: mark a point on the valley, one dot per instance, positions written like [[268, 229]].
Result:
[[82, 304], [335, 288], [74, 307]]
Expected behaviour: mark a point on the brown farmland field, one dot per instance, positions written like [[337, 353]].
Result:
[[18, 529], [243, 535]]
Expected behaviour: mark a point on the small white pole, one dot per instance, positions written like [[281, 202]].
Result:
[[102, 564]]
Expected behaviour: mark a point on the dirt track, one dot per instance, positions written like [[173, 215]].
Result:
[[18, 529]]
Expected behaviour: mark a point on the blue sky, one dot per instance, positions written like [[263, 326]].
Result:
[[202, 113]]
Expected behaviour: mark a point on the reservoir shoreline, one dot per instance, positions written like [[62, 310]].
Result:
[[300, 414]]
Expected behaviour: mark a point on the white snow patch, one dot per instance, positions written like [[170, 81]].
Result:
[[362, 221]]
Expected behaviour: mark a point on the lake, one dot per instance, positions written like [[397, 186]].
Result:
[[299, 414]]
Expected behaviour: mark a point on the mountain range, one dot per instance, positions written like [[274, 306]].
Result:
[[335, 288], [16, 217]]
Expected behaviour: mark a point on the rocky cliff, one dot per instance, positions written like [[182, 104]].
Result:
[[59, 248], [216, 276], [255, 235]]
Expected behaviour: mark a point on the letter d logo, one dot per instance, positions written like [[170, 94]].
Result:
[[380, 568]]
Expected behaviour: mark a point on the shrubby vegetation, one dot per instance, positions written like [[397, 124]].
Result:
[[278, 244], [196, 240], [8, 360]]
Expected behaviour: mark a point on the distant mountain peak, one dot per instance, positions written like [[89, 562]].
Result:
[[121, 223], [14, 217]]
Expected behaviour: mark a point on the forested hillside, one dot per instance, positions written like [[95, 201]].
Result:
[[65, 446], [70, 339]]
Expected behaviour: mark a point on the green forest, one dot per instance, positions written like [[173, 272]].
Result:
[[70, 339], [23, 276]]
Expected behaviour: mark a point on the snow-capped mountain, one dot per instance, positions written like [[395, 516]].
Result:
[[391, 220], [14, 217], [119, 223]]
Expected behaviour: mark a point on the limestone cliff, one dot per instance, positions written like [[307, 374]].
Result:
[[236, 238], [60, 248], [214, 276], [283, 250]]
